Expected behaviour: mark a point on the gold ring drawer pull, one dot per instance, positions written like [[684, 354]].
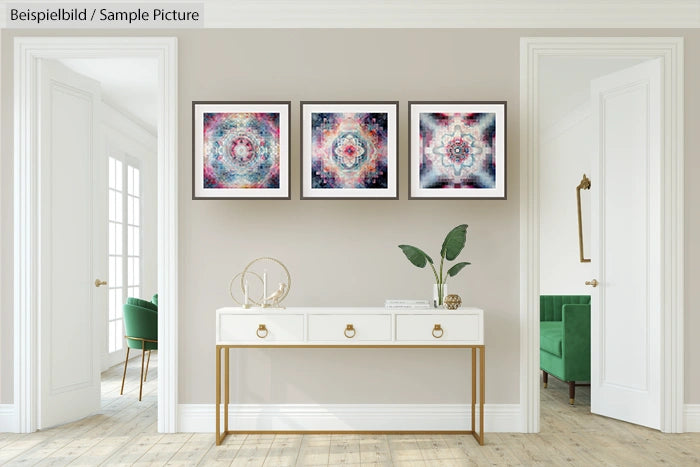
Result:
[[349, 328], [261, 329], [438, 329]]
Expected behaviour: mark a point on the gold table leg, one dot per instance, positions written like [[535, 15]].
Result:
[[482, 384], [473, 352], [226, 390], [218, 395]]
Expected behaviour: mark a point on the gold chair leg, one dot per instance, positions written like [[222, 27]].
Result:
[[148, 360], [143, 354], [124, 376]]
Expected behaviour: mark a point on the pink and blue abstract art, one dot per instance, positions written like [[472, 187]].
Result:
[[457, 150], [349, 150], [241, 150]]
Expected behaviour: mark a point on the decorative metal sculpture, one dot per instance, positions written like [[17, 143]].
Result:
[[254, 284], [453, 301]]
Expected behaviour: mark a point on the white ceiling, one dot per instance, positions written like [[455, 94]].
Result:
[[128, 84], [439, 13]]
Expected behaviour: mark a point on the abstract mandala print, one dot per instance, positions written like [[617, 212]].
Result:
[[349, 150], [457, 150], [241, 150]]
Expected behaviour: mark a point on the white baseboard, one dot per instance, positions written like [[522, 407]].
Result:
[[348, 417], [691, 415], [8, 420]]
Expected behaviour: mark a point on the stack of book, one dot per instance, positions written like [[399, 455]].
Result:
[[407, 304]]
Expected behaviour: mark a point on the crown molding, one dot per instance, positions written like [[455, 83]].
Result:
[[442, 13]]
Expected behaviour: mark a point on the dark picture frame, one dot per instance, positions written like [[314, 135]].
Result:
[[241, 150], [349, 150], [457, 150]]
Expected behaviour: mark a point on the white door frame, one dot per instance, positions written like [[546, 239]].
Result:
[[670, 51], [27, 308]]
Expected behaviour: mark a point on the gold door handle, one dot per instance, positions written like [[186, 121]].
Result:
[[99, 282], [348, 329], [592, 283], [436, 329], [261, 328]]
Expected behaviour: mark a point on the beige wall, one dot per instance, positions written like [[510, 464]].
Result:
[[344, 252]]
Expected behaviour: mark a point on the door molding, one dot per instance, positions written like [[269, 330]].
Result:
[[27, 167], [670, 51]]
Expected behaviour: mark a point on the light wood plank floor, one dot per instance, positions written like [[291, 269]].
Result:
[[125, 433]]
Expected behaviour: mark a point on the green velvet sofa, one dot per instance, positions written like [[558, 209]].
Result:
[[565, 339]]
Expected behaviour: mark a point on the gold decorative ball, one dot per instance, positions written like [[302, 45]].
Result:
[[452, 301]]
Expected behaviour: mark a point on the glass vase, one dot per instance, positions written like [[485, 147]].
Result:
[[439, 294]]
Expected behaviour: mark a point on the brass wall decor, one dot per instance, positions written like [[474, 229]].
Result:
[[256, 273], [453, 301], [584, 185]]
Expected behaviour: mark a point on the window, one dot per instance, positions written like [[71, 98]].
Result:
[[124, 244]]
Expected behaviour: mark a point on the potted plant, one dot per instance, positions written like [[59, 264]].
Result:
[[451, 248]]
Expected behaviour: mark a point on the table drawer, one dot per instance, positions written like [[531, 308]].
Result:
[[261, 328], [349, 328], [439, 328]]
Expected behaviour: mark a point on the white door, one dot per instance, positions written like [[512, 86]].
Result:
[[73, 245], [625, 245]]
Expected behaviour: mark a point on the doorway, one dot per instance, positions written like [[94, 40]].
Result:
[[670, 52], [598, 138], [30, 53], [126, 155]]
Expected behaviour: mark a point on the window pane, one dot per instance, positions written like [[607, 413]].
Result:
[[137, 291], [112, 280], [111, 173], [137, 272], [130, 272], [137, 211], [112, 336], [118, 174], [137, 181], [118, 208], [136, 248], [130, 180], [112, 303], [112, 205], [112, 239], [119, 239], [130, 210], [129, 240], [116, 302], [118, 271]]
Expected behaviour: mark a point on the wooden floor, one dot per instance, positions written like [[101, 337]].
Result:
[[125, 433]]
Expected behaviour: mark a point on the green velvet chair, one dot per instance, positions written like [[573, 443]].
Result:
[[142, 303], [141, 326], [565, 339]]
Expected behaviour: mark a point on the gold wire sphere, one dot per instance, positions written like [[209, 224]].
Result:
[[264, 259]]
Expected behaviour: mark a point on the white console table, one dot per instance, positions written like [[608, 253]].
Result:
[[325, 327]]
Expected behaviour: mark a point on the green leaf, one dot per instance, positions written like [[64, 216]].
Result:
[[416, 255], [454, 242], [456, 268]]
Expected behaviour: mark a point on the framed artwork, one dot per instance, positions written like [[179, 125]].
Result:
[[240, 150], [457, 150], [349, 150]]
